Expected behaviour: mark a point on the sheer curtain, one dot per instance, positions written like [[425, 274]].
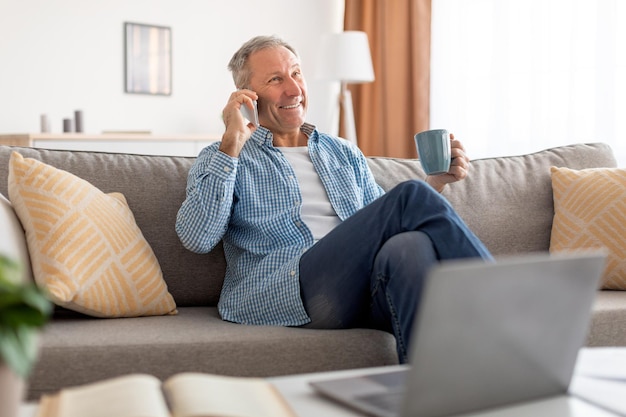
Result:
[[518, 76]]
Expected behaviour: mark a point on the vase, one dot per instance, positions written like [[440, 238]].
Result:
[[12, 388]]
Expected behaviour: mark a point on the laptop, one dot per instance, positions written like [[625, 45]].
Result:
[[487, 334]]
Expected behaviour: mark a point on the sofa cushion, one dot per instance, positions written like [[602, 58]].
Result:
[[154, 187], [13, 242], [80, 350], [85, 246], [590, 212], [608, 321], [506, 201]]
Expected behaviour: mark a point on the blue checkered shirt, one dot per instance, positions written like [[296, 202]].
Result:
[[253, 203]]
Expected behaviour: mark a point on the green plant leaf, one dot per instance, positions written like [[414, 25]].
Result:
[[34, 297], [9, 270], [24, 308], [9, 299], [19, 349], [22, 315]]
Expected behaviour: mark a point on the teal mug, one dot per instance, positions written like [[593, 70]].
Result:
[[433, 151]]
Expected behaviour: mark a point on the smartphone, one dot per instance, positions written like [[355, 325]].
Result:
[[252, 116]]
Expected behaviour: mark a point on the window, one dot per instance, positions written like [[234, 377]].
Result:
[[517, 76]]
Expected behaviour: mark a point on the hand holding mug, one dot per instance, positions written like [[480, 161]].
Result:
[[458, 168]]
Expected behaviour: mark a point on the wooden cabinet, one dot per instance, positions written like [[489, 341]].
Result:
[[148, 144]]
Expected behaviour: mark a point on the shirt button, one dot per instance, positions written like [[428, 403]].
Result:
[[298, 224], [293, 273], [226, 169]]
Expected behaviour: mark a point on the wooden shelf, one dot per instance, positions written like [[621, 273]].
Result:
[[28, 139], [137, 143]]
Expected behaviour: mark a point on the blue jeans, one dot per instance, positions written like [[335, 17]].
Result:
[[369, 270]]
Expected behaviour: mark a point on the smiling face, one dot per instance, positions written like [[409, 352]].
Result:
[[277, 79]]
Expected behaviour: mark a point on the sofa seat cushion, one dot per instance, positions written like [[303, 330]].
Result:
[[608, 322], [79, 349]]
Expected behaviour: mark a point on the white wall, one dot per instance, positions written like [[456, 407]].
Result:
[[57, 56]]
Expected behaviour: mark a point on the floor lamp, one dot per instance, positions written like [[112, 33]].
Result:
[[346, 57]]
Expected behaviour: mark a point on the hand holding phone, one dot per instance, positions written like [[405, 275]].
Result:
[[251, 115]]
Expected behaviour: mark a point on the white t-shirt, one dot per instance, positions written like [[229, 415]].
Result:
[[317, 212]]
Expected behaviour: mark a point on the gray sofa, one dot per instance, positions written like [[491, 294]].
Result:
[[507, 201]]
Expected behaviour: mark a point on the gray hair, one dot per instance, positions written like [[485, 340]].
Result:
[[238, 64]]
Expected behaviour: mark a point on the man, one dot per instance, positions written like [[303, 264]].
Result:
[[310, 239]]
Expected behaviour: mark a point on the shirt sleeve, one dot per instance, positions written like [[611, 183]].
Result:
[[203, 217]]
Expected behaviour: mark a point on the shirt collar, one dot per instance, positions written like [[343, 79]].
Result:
[[263, 136]]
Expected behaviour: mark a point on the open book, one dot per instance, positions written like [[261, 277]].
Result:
[[182, 395]]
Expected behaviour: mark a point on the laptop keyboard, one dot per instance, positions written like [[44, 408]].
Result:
[[392, 380], [386, 401]]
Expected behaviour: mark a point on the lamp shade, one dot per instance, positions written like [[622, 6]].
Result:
[[345, 57]]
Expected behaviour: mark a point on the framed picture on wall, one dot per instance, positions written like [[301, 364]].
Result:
[[148, 59]]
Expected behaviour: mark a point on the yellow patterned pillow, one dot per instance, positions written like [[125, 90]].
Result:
[[85, 246], [590, 213]]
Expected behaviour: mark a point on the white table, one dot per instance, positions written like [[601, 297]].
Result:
[[306, 403], [611, 392]]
